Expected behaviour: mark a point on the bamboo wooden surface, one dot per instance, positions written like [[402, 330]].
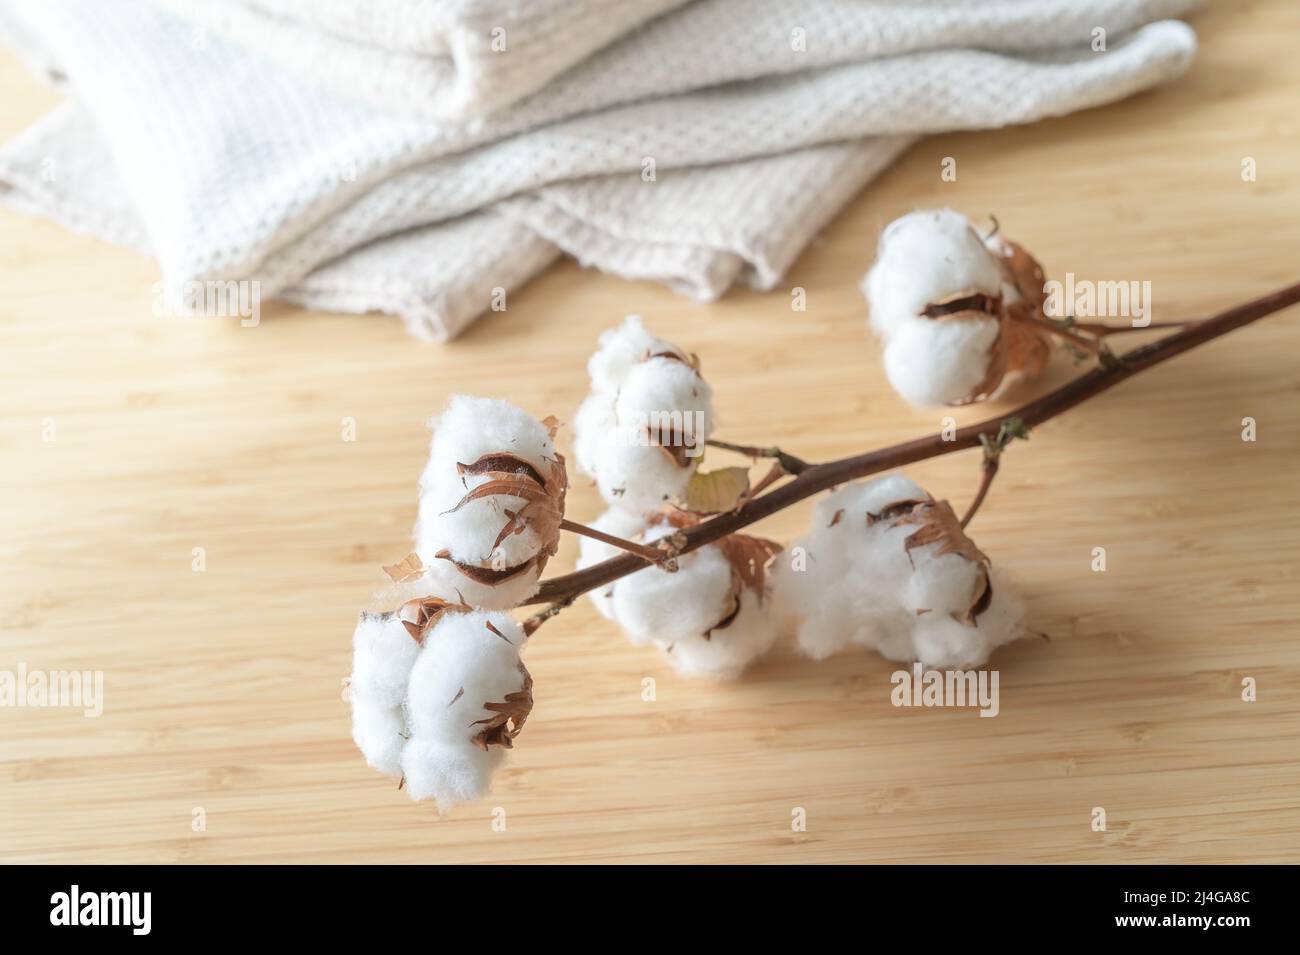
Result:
[[223, 688]]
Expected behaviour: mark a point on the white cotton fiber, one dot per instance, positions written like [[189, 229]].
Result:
[[639, 477], [620, 523], [593, 424], [667, 395], [470, 532], [691, 613], [728, 650], [939, 363], [446, 577], [619, 349], [380, 734], [850, 581], [467, 660], [927, 258], [462, 665], [448, 772], [663, 607], [645, 392], [383, 652]]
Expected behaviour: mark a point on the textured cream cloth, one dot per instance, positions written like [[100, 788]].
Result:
[[226, 164]]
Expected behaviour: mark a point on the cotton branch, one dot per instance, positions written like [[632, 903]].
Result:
[[788, 462], [814, 478]]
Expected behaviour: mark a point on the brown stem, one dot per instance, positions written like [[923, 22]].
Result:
[[820, 477], [536, 620], [1101, 330], [632, 547], [987, 473], [791, 464]]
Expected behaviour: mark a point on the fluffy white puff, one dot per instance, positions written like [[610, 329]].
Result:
[[680, 613], [470, 428], [594, 425], [619, 349], [939, 363], [922, 258], [467, 660], [654, 605], [639, 393], [667, 395], [380, 734], [625, 524], [638, 477], [730, 649], [850, 582], [383, 653]]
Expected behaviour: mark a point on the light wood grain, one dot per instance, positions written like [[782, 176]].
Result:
[[224, 687]]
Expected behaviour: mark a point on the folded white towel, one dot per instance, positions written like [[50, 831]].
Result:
[[230, 166]]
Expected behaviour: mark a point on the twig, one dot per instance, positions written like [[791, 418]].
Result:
[[1101, 330], [632, 547], [536, 620], [988, 472], [789, 462], [820, 477]]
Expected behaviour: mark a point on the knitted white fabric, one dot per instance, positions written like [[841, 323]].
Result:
[[441, 59], [232, 167]]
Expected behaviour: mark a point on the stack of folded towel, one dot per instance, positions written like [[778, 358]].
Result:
[[420, 157]]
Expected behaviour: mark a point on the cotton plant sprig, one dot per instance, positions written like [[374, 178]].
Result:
[[961, 313], [439, 688]]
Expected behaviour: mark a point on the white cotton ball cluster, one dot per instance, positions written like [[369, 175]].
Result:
[[491, 498], [701, 615], [935, 257], [439, 707], [468, 667], [641, 430], [853, 581]]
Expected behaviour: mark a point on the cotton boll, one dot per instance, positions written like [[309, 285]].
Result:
[[380, 733], [656, 605], [383, 653], [463, 665], [619, 349], [620, 523], [728, 650], [940, 362], [926, 257], [448, 772], [509, 458], [853, 581], [468, 661], [649, 413]]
